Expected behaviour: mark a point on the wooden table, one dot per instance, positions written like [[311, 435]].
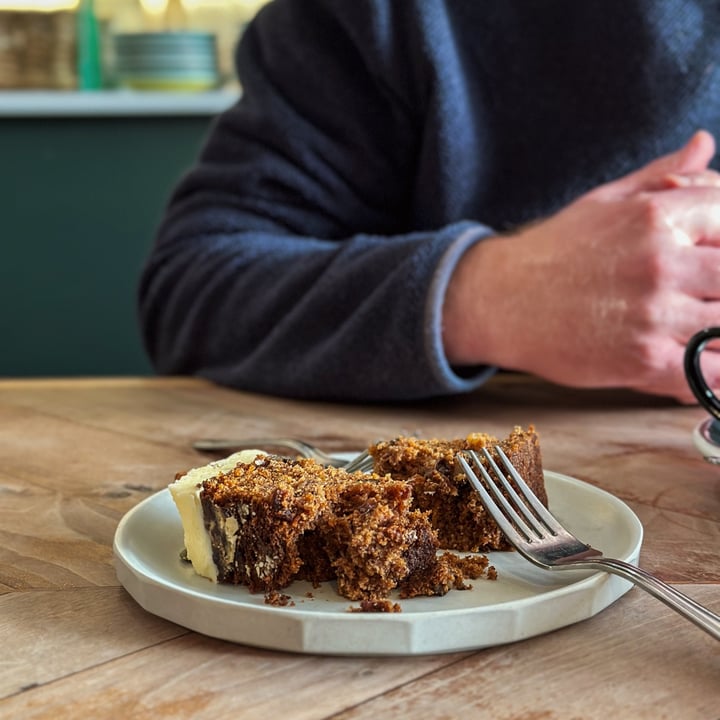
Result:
[[75, 455]]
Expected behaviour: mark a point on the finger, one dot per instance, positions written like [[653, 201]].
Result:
[[696, 272], [673, 383], [700, 314], [677, 318], [693, 157], [692, 214], [709, 178]]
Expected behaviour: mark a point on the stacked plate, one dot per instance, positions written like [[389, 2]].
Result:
[[174, 61]]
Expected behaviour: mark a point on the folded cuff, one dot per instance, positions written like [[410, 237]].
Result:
[[472, 377]]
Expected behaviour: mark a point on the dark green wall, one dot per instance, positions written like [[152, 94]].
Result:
[[80, 199]]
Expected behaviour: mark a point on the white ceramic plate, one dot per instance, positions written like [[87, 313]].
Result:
[[524, 601]]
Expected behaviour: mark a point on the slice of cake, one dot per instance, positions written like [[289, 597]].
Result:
[[264, 521], [441, 489], [186, 491]]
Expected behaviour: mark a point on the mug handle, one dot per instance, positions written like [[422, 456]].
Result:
[[706, 397]]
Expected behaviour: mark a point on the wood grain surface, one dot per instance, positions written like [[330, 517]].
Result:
[[76, 455]]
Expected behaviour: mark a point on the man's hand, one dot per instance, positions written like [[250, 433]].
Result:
[[607, 292]]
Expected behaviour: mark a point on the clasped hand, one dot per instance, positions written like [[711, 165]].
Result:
[[605, 293]]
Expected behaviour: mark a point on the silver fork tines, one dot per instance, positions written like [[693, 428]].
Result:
[[528, 517], [539, 537]]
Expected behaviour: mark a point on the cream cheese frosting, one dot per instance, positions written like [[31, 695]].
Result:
[[185, 492]]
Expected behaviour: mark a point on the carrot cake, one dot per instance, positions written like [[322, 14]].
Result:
[[264, 521]]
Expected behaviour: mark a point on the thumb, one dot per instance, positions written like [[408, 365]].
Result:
[[693, 157]]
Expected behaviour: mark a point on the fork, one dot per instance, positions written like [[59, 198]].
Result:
[[537, 535], [361, 462]]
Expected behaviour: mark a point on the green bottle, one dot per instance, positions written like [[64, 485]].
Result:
[[89, 62]]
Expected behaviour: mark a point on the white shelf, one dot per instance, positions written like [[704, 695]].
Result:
[[112, 103]]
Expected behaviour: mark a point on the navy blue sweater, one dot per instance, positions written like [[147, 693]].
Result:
[[307, 252]]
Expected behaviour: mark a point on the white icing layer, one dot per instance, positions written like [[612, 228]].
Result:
[[185, 492]]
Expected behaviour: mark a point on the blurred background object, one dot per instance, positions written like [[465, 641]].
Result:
[[37, 50], [178, 60], [88, 163], [223, 18], [72, 44], [89, 49]]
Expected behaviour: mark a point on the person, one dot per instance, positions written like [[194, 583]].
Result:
[[411, 194]]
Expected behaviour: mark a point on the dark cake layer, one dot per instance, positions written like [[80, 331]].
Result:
[[255, 515]]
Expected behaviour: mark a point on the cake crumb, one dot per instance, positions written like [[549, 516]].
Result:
[[376, 606], [278, 599]]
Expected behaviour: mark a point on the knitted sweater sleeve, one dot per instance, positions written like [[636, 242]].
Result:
[[289, 261]]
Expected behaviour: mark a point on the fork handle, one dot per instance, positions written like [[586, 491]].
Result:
[[681, 603]]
